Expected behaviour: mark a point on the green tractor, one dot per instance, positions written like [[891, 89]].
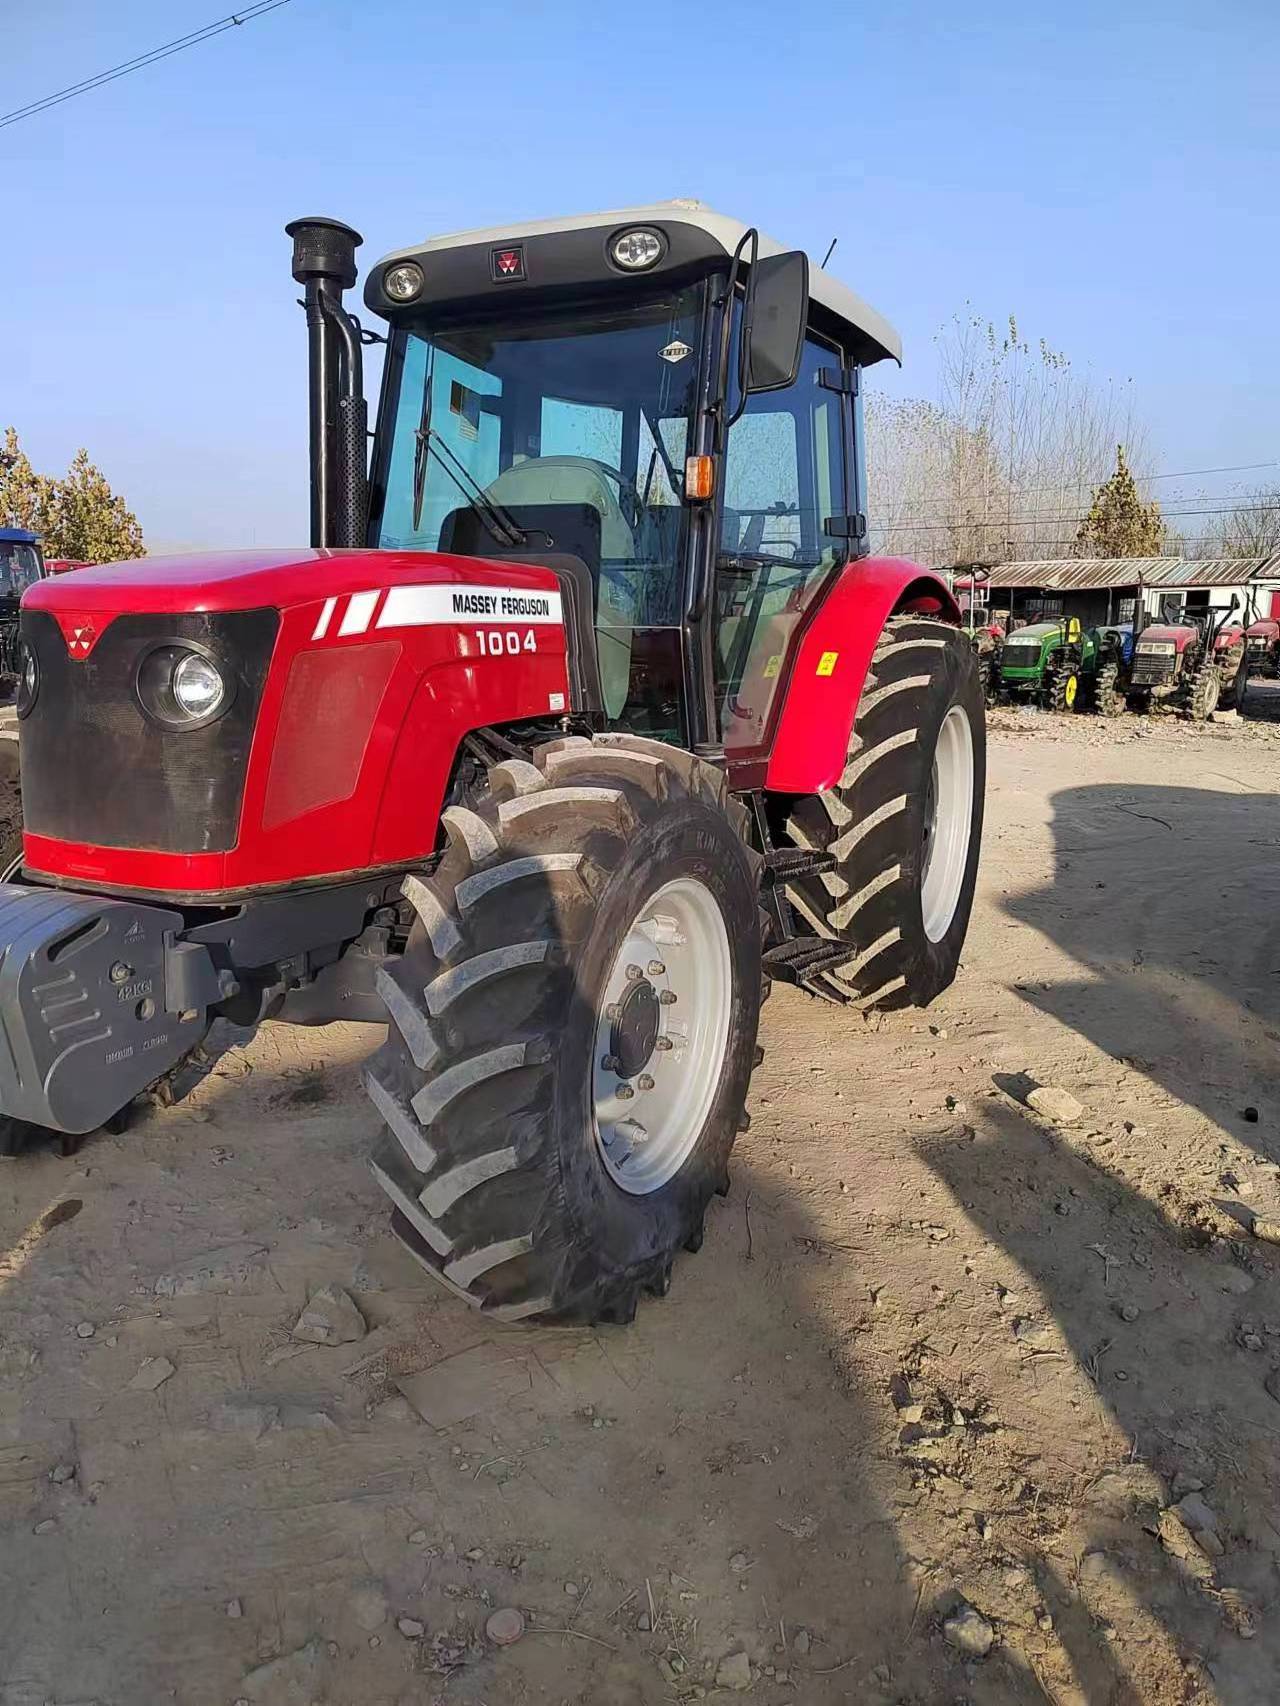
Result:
[[1048, 663]]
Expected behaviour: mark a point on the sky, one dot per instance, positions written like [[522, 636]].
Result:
[[1107, 172]]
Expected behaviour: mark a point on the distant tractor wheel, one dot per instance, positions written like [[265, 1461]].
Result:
[[1063, 688], [1108, 700], [573, 1028], [904, 823], [1202, 699]]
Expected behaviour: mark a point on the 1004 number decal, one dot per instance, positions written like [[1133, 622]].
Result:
[[496, 643]]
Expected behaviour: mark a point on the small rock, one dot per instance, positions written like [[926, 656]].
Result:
[[1184, 1484], [643, 1624], [1094, 1566], [1207, 1540], [505, 1627], [667, 1672], [1195, 1512], [739, 1562], [1129, 1312], [1235, 1281], [910, 1414], [330, 1318], [410, 1628], [45, 1527], [734, 1671], [85, 1330], [1056, 1104], [475, 1555], [1016, 1578], [969, 1632], [572, 1589], [800, 1641], [418, 1537], [153, 1373], [62, 1473], [369, 1607]]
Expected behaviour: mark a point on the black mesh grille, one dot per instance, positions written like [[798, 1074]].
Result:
[[1150, 671], [96, 769]]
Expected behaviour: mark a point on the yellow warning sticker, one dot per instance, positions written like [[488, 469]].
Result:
[[772, 666], [827, 663]]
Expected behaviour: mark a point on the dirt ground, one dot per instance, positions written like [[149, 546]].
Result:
[[936, 1350]]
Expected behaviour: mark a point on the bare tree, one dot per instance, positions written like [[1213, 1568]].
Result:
[[1005, 463], [1250, 528]]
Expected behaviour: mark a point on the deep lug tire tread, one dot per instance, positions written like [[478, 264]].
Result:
[[473, 1157], [870, 820]]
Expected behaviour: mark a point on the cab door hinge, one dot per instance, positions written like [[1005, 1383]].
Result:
[[846, 526], [845, 380]]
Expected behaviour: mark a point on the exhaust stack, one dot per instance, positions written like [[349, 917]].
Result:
[[324, 263]]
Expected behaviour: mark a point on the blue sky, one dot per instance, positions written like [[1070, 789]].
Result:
[[1108, 172]]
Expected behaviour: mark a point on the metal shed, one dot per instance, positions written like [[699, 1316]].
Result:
[[1104, 589]]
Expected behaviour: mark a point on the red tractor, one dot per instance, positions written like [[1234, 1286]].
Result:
[[1194, 663], [1262, 645], [586, 714]]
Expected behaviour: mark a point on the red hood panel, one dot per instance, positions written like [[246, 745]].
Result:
[[1165, 631], [254, 580]]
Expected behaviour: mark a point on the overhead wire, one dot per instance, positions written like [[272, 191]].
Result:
[[166, 51]]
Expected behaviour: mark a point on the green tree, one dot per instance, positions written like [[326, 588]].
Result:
[[1119, 524], [25, 496], [78, 516], [88, 520]]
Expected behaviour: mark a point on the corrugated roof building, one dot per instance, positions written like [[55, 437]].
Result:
[[1105, 589]]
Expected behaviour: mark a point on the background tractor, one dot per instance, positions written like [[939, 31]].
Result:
[[1190, 662], [586, 716], [1262, 648], [21, 566], [1045, 662], [1106, 656]]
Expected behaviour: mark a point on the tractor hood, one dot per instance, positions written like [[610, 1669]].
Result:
[[1181, 636], [1264, 630]]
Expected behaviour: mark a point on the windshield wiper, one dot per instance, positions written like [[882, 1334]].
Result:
[[497, 520], [420, 448]]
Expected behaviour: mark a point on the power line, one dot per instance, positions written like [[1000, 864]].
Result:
[[1089, 485], [231, 22], [1030, 520]]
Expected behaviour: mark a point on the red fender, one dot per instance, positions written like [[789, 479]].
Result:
[[811, 745]]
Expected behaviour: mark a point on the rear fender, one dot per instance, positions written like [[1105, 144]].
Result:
[[811, 745]]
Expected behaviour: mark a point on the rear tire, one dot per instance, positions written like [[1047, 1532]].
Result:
[[1108, 701], [1202, 699], [492, 1081], [876, 821]]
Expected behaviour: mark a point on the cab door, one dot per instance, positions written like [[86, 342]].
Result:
[[784, 534]]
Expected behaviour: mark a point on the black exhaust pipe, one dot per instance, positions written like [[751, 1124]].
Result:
[[324, 263]]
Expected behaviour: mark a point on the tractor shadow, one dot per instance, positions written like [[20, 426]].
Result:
[[1179, 977]]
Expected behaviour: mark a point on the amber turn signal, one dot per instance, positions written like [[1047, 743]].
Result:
[[699, 476]]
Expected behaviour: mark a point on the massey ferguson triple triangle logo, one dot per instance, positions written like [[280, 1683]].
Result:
[[80, 633]]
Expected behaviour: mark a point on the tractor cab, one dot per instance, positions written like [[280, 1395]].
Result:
[[563, 392], [21, 565]]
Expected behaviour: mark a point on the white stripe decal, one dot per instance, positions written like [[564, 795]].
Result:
[[442, 603], [326, 616], [359, 612]]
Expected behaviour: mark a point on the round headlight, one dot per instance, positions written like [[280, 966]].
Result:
[[638, 249], [182, 688], [198, 687], [403, 282], [28, 680]]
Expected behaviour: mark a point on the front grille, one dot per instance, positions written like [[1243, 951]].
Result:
[[96, 770], [1151, 671], [1020, 657]]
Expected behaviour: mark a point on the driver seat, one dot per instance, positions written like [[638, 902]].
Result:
[[578, 480]]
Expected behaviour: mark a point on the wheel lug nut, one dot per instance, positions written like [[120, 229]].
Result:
[[613, 1012], [667, 997], [656, 968], [644, 1082], [610, 1063], [634, 973], [663, 1043], [624, 1092]]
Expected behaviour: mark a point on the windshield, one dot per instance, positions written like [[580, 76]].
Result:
[[19, 567], [565, 432]]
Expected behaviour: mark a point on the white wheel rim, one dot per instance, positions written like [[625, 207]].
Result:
[[648, 1119], [948, 824]]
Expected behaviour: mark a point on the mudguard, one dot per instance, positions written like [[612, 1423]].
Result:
[[811, 744]]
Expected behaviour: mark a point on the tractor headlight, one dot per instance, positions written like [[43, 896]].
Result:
[[637, 250], [403, 282], [28, 679], [1157, 648], [183, 688]]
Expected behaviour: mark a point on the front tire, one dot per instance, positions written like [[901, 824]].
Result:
[[904, 822], [1062, 689], [1108, 701], [523, 1177], [1202, 699]]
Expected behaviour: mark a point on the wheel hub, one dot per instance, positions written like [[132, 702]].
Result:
[[635, 1031]]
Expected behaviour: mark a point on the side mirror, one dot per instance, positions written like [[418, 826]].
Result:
[[778, 312]]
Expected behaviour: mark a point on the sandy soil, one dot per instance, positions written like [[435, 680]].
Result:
[[935, 1348]]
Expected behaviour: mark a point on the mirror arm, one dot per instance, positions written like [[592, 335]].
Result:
[[748, 319], [726, 334]]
